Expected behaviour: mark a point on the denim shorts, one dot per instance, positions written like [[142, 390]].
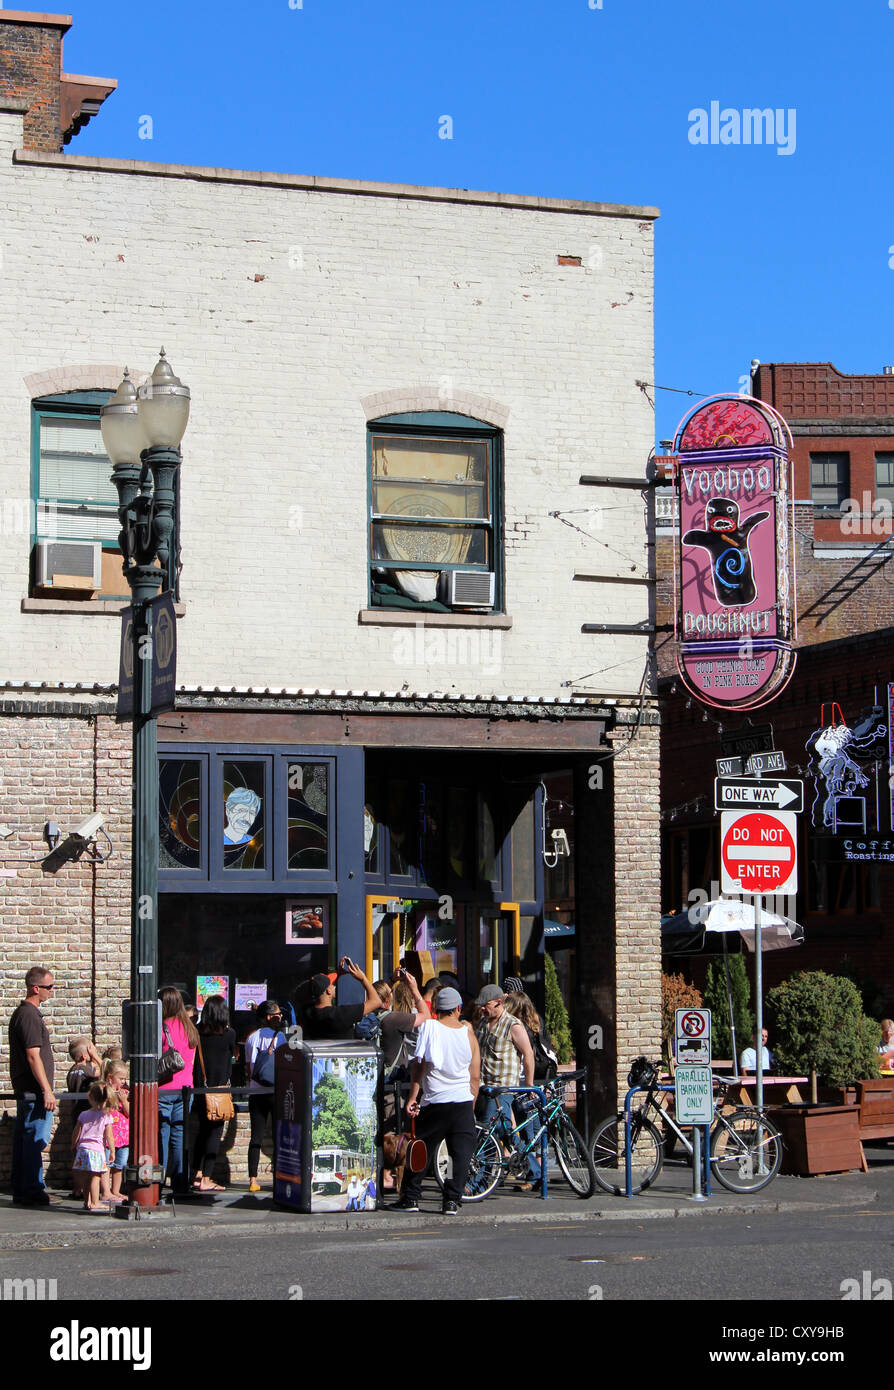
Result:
[[120, 1159]]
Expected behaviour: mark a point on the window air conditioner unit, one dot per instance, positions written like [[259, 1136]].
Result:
[[469, 589], [69, 565]]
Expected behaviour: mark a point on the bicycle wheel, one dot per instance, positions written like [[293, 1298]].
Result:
[[485, 1170], [646, 1154], [744, 1162], [573, 1159]]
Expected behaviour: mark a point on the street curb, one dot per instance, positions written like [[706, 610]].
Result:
[[117, 1233]]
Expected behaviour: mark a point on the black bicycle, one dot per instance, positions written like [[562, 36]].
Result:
[[746, 1147]]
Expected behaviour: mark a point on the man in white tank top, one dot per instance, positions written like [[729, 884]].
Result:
[[447, 1070]]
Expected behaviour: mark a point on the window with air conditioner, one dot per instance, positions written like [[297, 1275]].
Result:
[[75, 526], [435, 497]]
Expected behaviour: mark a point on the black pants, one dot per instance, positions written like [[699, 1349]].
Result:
[[259, 1107], [207, 1143], [455, 1122]]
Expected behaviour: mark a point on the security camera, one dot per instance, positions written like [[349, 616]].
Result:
[[560, 842], [88, 828]]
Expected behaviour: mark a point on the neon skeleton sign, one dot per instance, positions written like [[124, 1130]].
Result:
[[734, 579]]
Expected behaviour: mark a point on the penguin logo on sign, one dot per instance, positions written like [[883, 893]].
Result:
[[726, 541]]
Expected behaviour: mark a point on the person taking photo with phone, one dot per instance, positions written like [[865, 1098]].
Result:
[[326, 1021]]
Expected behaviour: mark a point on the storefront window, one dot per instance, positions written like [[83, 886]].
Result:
[[459, 827], [487, 845], [243, 815], [523, 884], [308, 827], [180, 814], [399, 824]]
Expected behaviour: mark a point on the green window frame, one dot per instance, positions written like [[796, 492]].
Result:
[[73, 497], [435, 502]]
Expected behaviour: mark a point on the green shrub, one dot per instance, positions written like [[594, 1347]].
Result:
[[676, 993], [716, 1000], [820, 1028], [556, 1015]]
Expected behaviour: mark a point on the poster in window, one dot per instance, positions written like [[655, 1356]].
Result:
[[248, 997], [206, 985], [307, 922]]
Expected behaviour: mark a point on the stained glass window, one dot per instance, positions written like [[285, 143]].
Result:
[[179, 814], [243, 818], [308, 815]]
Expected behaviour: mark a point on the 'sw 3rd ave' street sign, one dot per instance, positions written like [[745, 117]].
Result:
[[774, 793], [758, 852]]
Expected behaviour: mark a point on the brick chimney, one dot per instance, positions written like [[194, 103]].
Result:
[[60, 104]]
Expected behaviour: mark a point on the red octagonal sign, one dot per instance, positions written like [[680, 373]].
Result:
[[759, 854]]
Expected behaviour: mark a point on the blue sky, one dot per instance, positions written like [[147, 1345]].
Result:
[[784, 257]]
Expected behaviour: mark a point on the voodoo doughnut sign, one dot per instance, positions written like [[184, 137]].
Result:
[[733, 576]]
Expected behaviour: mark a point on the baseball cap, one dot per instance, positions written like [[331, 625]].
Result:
[[447, 999], [488, 993], [320, 983]]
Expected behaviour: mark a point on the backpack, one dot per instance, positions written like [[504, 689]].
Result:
[[546, 1063], [264, 1069], [369, 1029]]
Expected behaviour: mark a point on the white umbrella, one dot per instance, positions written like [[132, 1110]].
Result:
[[725, 915]]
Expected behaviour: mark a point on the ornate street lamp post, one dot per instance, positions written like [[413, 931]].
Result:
[[141, 431]]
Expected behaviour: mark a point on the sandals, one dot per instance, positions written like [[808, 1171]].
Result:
[[204, 1186]]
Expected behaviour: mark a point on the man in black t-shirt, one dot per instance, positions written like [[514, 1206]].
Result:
[[31, 1071], [326, 1021]]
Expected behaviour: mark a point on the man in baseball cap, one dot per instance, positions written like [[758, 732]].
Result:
[[446, 1069], [327, 1020], [506, 1051]]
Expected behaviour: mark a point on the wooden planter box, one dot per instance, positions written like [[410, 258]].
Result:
[[819, 1138], [837, 1095]]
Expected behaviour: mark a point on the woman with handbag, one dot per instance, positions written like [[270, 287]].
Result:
[[259, 1049], [214, 1065], [175, 1068]]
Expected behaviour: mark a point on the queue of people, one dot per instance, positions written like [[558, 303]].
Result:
[[445, 1048]]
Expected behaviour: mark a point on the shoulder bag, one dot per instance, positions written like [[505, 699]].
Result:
[[170, 1062], [219, 1107]]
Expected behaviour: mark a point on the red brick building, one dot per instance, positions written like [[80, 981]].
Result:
[[843, 429]]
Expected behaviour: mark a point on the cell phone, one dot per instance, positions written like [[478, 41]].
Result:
[[347, 963]]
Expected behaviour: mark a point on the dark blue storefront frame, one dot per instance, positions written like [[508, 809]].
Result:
[[344, 877]]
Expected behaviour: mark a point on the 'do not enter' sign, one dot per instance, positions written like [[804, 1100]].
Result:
[[759, 852]]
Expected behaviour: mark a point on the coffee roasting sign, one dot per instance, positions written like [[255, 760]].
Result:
[[734, 581]]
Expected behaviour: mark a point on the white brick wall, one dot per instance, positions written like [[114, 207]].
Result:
[[285, 309]]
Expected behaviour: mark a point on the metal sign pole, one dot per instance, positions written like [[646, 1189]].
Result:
[[759, 1005]]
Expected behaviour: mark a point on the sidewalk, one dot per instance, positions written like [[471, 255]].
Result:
[[65, 1223]]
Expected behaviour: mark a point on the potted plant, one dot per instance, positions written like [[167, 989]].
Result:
[[820, 1029]]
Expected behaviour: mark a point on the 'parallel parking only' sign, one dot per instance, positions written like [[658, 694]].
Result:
[[694, 1095], [758, 852]]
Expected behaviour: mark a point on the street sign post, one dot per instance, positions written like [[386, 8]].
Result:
[[758, 852], [774, 793]]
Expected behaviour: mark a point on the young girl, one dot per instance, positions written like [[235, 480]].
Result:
[[115, 1075], [91, 1139]]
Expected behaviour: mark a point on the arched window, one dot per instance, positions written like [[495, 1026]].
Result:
[[435, 521]]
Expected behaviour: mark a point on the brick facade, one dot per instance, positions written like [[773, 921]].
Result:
[[31, 70]]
